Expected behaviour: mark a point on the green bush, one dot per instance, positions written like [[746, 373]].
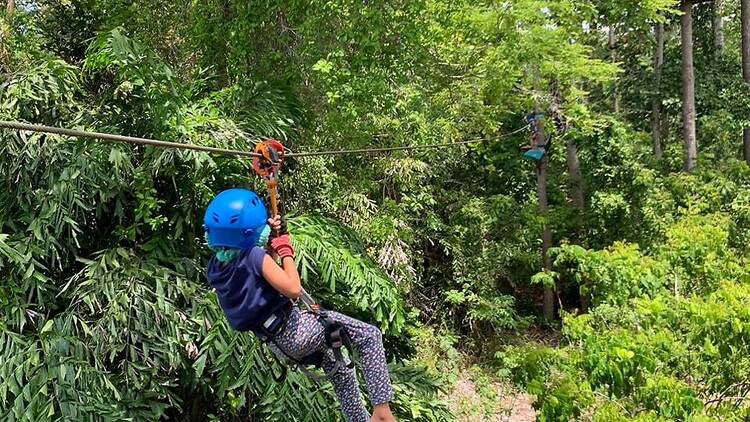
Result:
[[663, 356], [666, 338], [611, 276]]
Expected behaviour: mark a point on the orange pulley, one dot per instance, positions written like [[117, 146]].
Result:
[[268, 164]]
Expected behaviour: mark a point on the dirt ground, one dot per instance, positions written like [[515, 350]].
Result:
[[511, 406]]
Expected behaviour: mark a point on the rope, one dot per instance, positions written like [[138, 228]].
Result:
[[108, 137]]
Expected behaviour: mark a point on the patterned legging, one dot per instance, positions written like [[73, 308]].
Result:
[[303, 335]]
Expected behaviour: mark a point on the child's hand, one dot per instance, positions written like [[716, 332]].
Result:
[[278, 225]]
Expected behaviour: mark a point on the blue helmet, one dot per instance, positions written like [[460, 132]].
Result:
[[235, 219]]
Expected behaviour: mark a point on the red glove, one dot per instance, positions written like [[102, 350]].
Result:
[[282, 245]]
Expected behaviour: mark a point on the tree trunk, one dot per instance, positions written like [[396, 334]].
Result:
[[746, 66], [577, 195], [548, 306], [576, 178], [656, 100], [612, 44], [688, 87], [718, 28], [6, 26]]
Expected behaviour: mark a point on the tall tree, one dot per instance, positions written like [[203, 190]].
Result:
[[574, 170], [625, 22], [612, 44], [746, 66], [656, 100], [688, 87], [548, 307], [5, 31], [718, 28], [548, 304]]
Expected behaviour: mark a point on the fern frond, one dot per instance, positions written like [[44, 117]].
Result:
[[332, 258]]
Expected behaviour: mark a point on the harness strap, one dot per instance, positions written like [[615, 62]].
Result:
[[336, 338], [284, 371], [299, 365], [316, 378], [275, 323]]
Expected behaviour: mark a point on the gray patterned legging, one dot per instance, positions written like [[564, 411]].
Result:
[[303, 335]]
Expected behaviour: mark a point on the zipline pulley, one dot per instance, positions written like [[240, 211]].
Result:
[[268, 164]]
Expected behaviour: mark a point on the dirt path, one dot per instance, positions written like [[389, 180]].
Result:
[[497, 403], [519, 409]]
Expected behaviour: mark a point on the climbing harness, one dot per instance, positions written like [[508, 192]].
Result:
[[336, 340], [267, 163]]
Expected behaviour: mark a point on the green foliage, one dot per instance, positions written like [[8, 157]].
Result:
[[672, 398], [562, 398], [661, 339], [526, 363], [106, 315], [104, 311], [639, 353], [416, 395], [45, 92], [489, 245], [132, 81], [614, 275], [332, 256], [698, 250]]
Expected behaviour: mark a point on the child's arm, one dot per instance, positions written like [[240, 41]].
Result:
[[285, 280]]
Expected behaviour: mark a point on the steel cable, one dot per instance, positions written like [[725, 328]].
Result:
[[401, 148], [108, 137]]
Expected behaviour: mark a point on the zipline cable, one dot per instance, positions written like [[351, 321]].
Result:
[[108, 137], [400, 148]]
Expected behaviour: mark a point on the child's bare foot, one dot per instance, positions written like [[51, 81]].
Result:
[[382, 413]]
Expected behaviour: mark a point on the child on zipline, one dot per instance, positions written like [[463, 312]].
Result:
[[258, 295]]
